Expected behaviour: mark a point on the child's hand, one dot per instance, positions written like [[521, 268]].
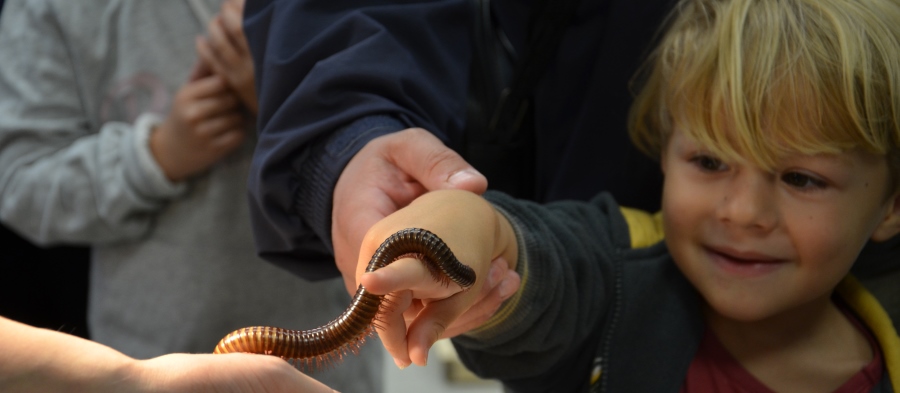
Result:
[[476, 234], [226, 51], [203, 126]]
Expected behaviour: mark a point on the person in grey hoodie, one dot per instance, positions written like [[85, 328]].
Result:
[[122, 130]]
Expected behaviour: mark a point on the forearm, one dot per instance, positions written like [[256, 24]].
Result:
[[80, 188], [40, 360], [506, 244]]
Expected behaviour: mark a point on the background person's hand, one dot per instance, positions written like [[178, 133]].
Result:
[[203, 126], [226, 51]]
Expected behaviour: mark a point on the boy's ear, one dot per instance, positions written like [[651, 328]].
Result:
[[890, 226]]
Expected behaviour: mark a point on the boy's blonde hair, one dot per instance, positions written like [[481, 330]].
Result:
[[766, 78]]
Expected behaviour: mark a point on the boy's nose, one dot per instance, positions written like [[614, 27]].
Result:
[[749, 202]]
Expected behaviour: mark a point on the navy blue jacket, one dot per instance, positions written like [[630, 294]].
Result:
[[334, 75]]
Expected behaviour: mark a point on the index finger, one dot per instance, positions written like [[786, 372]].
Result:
[[207, 86], [232, 21], [407, 274]]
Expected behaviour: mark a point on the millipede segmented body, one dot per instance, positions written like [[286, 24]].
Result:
[[347, 333]]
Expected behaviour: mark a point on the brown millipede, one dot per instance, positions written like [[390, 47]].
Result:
[[329, 343]]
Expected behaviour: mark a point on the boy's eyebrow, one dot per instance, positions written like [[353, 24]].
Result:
[[826, 159]]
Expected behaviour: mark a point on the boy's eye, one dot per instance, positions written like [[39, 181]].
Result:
[[708, 163], [802, 181]]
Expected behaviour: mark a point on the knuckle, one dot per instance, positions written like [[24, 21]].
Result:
[[192, 116], [438, 330], [437, 158]]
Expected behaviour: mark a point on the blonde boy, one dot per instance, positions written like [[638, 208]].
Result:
[[777, 125]]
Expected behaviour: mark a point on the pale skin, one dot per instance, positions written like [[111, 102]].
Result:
[[40, 360], [764, 248]]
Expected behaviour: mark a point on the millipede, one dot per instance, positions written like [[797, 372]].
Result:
[[328, 344]]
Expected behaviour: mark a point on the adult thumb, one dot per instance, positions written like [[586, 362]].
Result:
[[423, 156]]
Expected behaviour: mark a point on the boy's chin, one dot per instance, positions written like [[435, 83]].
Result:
[[741, 310]]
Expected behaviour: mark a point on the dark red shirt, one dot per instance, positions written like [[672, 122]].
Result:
[[715, 370]]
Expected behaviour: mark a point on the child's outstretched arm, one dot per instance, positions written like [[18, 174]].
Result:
[[42, 360], [474, 231]]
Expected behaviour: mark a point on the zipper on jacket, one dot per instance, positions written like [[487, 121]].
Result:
[[611, 326]]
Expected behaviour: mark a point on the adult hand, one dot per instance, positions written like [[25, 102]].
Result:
[[386, 175], [475, 233], [226, 51], [203, 126]]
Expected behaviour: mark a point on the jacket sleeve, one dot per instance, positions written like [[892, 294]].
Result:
[[332, 76], [62, 179], [547, 335]]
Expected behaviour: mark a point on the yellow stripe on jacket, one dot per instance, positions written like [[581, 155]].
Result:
[[877, 320], [645, 229]]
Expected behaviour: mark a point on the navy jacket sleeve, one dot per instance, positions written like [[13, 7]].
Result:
[[333, 76]]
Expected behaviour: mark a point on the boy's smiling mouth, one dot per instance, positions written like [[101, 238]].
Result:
[[743, 263]]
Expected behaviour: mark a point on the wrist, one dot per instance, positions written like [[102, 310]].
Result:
[[506, 244], [43, 360], [134, 375], [158, 143], [117, 374], [318, 168]]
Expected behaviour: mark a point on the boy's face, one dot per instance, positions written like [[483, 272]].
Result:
[[756, 244]]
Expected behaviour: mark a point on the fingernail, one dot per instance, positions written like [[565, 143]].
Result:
[[508, 287], [495, 276], [462, 176], [400, 364]]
